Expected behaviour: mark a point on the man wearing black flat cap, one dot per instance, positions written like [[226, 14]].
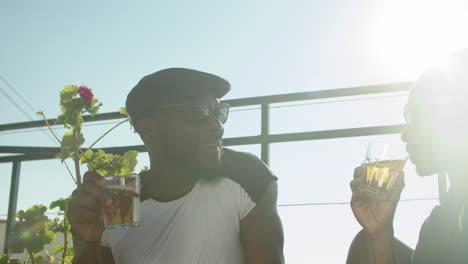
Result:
[[200, 202]]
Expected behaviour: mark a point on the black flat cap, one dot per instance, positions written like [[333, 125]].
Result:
[[171, 85]]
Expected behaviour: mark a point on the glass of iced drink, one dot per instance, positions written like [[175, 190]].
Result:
[[125, 194], [383, 165]]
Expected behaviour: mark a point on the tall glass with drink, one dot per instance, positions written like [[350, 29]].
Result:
[[383, 164], [125, 194]]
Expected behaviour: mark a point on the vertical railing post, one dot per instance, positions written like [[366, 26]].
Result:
[[11, 219], [265, 132]]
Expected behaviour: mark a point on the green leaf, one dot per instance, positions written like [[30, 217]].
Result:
[[87, 156], [20, 214], [68, 92], [129, 162], [5, 259], [60, 203], [16, 245], [58, 249], [123, 111], [108, 164], [68, 147], [32, 232], [38, 259], [36, 212], [93, 107], [72, 109], [70, 252], [54, 225], [48, 236]]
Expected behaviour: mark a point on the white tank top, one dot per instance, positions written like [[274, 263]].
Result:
[[201, 227]]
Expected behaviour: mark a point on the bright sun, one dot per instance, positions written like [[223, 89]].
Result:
[[413, 33]]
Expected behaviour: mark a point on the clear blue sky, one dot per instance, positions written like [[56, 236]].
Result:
[[262, 48]]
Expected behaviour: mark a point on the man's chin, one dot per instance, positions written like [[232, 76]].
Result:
[[425, 171], [210, 165], [203, 165], [209, 172]]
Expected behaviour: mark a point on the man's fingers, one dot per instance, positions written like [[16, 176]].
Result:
[[358, 172], [94, 177], [83, 218], [397, 188], [97, 192], [86, 204], [355, 184], [358, 193], [86, 201], [82, 215], [90, 233]]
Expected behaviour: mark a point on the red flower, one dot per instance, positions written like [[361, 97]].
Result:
[[85, 94]]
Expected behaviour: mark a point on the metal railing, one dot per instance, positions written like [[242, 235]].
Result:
[[23, 153]]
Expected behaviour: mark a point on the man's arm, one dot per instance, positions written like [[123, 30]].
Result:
[[376, 216], [85, 217], [91, 252], [262, 232], [360, 251]]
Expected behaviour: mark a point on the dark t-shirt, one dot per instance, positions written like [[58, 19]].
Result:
[[243, 168], [443, 238], [248, 171]]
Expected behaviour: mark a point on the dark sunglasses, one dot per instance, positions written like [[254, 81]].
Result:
[[200, 113]]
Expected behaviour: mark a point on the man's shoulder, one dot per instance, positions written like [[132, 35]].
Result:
[[248, 171], [443, 231]]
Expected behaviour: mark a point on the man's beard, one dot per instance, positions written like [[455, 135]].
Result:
[[188, 161]]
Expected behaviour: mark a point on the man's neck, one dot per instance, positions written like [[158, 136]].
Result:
[[166, 184], [458, 177]]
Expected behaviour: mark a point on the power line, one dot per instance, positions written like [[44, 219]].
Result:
[[18, 94], [18, 106], [15, 104], [344, 203], [315, 204]]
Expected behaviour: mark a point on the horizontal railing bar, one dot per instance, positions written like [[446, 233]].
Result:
[[27, 157], [322, 94], [29, 150], [342, 92], [55, 150], [42, 153], [52, 122], [339, 133]]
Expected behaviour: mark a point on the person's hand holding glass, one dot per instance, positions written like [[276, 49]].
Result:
[[377, 186]]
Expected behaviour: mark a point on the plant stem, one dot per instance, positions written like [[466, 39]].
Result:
[[50, 128], [108, 131], [31, 257], [65, 237], [69, 171], [63, 260], [76, 158]]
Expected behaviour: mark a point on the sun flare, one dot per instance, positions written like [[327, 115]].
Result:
[[414, 33]]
